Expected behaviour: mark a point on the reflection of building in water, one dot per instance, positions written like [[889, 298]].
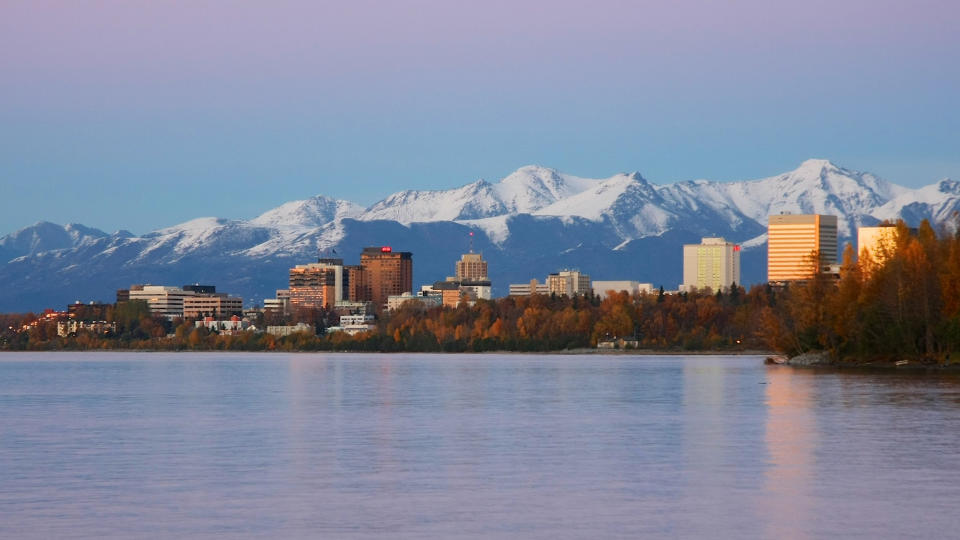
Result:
[[710, 449], [791, 440]]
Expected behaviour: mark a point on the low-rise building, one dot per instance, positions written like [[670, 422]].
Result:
[[234, 324], [453, 292], [477, 289], [568, 282], [354, 324], [287, 330], [280, 304], [211, 305], [526, 289], [162, 300], [395, 301], [92, 311], [188, 301], [603, 288], [72, 327]]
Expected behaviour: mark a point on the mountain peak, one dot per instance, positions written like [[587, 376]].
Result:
[[536, 169], [816, 166], [313, 212], [637, 177]]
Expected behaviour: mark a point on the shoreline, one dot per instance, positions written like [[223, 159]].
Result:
[[820, 360], [571, 352]]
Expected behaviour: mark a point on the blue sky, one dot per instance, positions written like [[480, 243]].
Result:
[[141, 115]]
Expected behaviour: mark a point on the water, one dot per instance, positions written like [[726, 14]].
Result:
[[125, 445]]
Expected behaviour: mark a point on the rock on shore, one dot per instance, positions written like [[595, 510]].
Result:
[[813, 358]]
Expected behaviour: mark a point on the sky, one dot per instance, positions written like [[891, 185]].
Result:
[[138, 115]]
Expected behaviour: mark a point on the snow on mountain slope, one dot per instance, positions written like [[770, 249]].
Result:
[[532, 188], [310, 213], [816, 187], [496, 228], [594, 202], [45, 236], [938, 202], [201, 235], [632, 206], [472, 201], [525, 191]]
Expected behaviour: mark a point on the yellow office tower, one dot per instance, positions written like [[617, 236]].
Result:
[[793, 243]]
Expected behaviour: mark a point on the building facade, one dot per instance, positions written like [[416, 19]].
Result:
[[186, 301], [568, 282], [388, 272], [526, 289], [712, 264], [316, 285], [421, 301], [73, 327], [798, 243], [162, 300], [358, 284], [234, 324], [472, 267], [286, 330], [211, 305], [877, 243], [601, 288], [354, 324]]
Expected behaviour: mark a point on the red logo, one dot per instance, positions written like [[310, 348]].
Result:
[[386, 249], [736, 248]]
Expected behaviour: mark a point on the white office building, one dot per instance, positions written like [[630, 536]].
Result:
[[712, 264]]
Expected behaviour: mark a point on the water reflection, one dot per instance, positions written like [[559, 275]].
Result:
[[440, 446], [791, 439]]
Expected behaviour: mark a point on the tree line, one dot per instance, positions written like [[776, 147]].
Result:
[[900, 303], [687, 321]]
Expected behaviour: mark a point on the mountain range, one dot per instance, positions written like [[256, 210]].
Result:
[[535, 221]]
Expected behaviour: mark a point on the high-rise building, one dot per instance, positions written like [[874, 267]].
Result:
[[876, 242], [472, 267], [714, 263], [358, 284], [568, 282], [388, 272], [317, 285], [796, 243]]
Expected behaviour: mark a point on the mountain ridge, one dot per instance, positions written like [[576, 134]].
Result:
[[531, 222]]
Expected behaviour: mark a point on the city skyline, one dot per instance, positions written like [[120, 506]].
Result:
[[141, 116]]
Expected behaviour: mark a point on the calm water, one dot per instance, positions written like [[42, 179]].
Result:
[[435, 446]]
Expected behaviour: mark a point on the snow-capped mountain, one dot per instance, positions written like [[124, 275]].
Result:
[[936, 202], [46, 236], [525, 191], [532, 222], [309, 213]]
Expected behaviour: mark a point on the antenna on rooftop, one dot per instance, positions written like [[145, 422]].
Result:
[[471, 241]]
